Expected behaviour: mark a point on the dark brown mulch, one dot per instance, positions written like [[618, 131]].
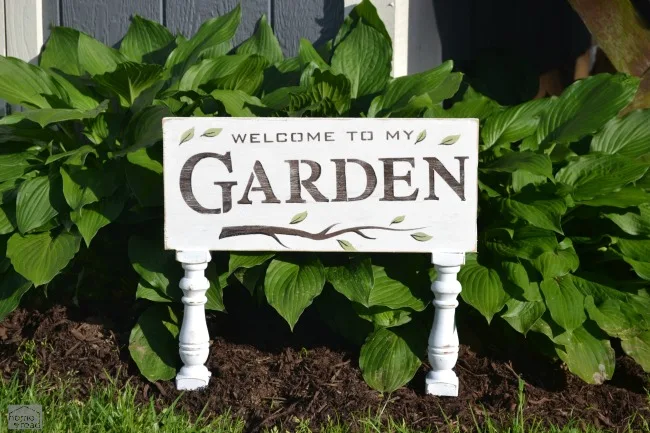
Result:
[[266, 375]]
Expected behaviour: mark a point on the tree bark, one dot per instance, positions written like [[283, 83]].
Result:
[[622, 34]]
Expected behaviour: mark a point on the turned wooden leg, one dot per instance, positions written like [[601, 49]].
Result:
[[194, 341], [443, 340]]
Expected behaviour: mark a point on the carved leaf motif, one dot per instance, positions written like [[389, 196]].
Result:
[[298, 218], [187, 136], [421, 236], [421, 136], [398, 220], [347, 246], [212, 132], [448, 141]]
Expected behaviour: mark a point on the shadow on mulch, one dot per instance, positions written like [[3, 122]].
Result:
[[267, 375]]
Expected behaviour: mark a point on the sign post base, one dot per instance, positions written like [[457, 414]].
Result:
[[443, 340], [194, 340]]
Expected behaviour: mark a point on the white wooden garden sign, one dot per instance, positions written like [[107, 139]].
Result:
[[290, 184]]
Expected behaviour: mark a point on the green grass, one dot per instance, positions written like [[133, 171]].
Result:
[[113, 408]]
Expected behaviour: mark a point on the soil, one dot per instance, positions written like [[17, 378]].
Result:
[[267, 375]]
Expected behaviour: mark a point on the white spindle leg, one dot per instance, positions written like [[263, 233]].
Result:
[[443, 340], [194, 341]]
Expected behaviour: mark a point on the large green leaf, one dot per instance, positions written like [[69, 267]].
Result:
[[84, 185], [97, 215], [211, 34], [401, 90], [597, 174], [40, 257], [252, 278], [215, 291], [147, 291], [602, 289], [482, 289], [364, 12], [615, 317], [38, 200], [146, 41], [237, 103], [292, 283], [564, 301], [474, 105], [354, 280], [307, 54], [628, 136], [383, 317], [588, 354], [527, 242], [585, 107], [25, 84], [12, 287], [522, 315], [7, 218], [625, 197], [387, 360], [364, 57], [529, 161], [247, 76], [129, 80], [13, 165], [514, 123], [75, 92], [144, 175], [635, 222], [639, 349], [327, 94], [247, 260], [514, 277], [153, 343], [155, 265], [145, 128], [541, 213], [209, 69], [636, 252], [75, 53], [372, 285], [263, 43], [559, 262], [47, 116], [637, 249]]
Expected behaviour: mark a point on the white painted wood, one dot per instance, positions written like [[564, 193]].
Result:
[[433, 187], [194, 341], [401, 38], [24, 28], [3, 48], [443, 339], [3, 41], [423, 50]]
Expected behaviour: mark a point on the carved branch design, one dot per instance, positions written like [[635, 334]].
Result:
[[274, 231]]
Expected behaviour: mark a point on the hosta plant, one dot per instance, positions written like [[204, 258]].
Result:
[[564, 210]]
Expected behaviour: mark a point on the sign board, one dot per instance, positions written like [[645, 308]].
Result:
[[307, 184]]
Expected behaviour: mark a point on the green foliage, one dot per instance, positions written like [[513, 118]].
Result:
[[564, 224]]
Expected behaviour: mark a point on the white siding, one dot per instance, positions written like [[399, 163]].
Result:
[[24, 28]]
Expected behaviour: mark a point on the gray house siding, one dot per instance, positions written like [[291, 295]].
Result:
[[108, 20]]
